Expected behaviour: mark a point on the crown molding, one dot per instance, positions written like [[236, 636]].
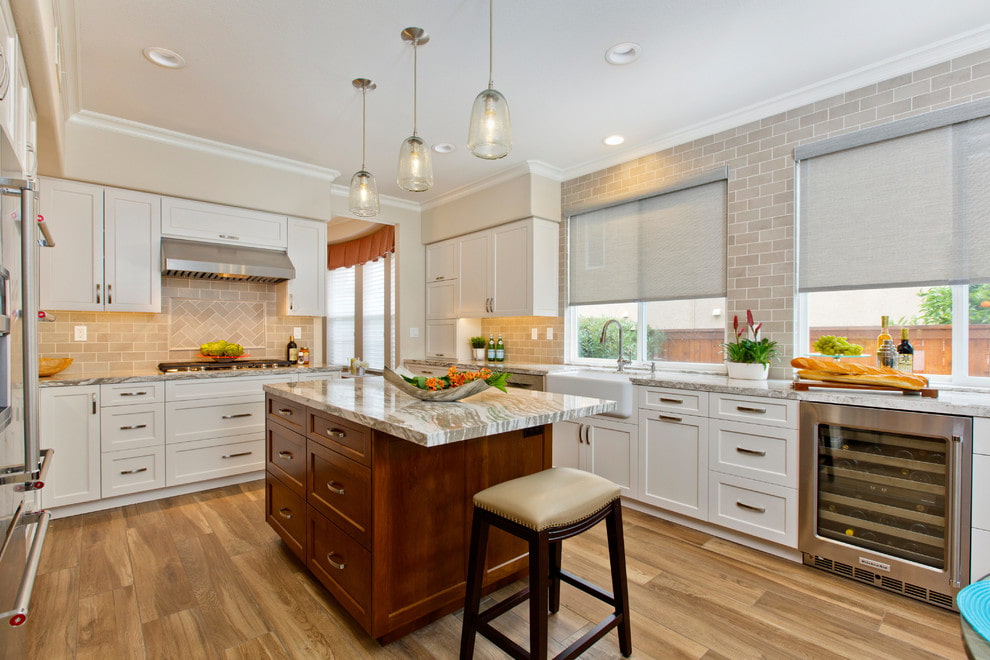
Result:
[[915, 60], [89, 119], [340, 191], [536, 167]]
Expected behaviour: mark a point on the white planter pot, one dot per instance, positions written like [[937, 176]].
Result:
[[479, 354], [747, 370]]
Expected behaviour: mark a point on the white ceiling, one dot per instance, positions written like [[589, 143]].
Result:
[[275, 75]]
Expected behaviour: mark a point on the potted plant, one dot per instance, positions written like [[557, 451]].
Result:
[[748, 358], [478, 347]]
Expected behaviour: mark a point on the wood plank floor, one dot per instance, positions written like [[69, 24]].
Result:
[[203, 576]]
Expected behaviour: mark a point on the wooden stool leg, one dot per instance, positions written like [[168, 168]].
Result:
[[555, 553], [475, 577], [620, 588], [539, 587]]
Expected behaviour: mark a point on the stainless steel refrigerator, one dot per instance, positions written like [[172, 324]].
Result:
[[23, 465]]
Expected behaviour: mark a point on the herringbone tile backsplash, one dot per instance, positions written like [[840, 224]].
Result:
[[194, 322]]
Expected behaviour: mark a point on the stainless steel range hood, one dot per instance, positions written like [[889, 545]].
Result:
[[214, 261]]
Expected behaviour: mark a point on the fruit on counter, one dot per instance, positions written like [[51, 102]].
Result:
[[221, 348], [832, 345]]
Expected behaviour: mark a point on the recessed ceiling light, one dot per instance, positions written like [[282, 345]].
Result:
[[443, 147], [163, 57], [613, 140], [624, 53]]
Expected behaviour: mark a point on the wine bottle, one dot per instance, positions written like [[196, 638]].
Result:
[[905, 353], [500, 350], [291, 350], [491, 348], [884, 332]]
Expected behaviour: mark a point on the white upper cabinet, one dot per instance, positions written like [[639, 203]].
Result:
[[107, 254], [184, 218], [442, 261], [476, 275], [305, 295]]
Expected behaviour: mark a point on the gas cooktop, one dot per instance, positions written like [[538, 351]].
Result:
[[202, 365]]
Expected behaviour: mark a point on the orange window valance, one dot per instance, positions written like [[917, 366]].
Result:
[[361, 250]]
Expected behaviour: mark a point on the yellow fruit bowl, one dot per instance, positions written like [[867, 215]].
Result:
[[51, 366]]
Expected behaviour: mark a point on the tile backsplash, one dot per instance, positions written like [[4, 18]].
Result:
[[517, 335], [193, 312]]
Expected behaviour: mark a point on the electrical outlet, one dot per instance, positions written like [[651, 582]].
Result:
[[549, 334], [536, 333], [413, 333], [80, 333], [297, 332]]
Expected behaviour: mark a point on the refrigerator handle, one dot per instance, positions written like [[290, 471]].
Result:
[[45, 231]]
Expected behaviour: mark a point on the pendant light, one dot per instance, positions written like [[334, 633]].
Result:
[[490, 131], [415, 166], [364, 190]]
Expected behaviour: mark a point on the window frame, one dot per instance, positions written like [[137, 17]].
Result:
[[388, 312]]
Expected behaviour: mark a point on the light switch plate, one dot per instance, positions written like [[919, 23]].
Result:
[[549, 333], [80, 333], [536, 333], [413, 332], [297, 332]]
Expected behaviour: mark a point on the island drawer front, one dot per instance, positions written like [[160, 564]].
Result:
[[342, 565], [287, 458], [286, 513], [754, 409], [688, 402], [126, 394], [754, 451], [348, 438], [340, 489], [767, 511], [287, 413]]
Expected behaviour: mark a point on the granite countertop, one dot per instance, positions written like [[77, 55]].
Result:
[[133, 376], [374, 403]]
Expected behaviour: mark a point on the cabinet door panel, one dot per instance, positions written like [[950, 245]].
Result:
[[612, 453], [184, 218], [71, 271], [441, 300], [674, 460], [442, 262], [70, 424], [568, 438], [476, 289], [305, 294], [513, 263], [132, 247], [441, 339]]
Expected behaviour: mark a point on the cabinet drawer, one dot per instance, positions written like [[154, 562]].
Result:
[[287, 413], [755, 409], [285, 511], [752, 450], [125, 394], [132, 471], [208, 459], [766, 511], [688, 402], [340, 489], [202, 388], [200, 420], [342, 436], [130, 427], [341, 564], [287, 458]]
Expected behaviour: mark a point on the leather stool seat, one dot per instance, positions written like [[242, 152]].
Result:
[[544, 509]]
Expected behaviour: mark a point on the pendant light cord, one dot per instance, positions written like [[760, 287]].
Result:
[[364, 124], [415, 80], [491, 81]]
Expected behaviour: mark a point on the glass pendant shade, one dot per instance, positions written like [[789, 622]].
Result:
[[415, 165], [490, 130], [364, 195]]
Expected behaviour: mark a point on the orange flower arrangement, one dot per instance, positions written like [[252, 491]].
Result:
[[455, 378]]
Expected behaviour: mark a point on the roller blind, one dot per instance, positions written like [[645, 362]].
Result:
[[668, 246], [340, 315], [373, 313], [908, 210]]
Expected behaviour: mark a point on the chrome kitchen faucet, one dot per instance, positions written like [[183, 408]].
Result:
[[601, 340]]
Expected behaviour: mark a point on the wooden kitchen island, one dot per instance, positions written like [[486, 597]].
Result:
[[372, 489]]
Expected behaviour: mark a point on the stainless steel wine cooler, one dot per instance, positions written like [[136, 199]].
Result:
[[885, 498]]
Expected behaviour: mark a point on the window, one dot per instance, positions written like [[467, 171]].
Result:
[[895, 220], [359, 318], [657, 265]]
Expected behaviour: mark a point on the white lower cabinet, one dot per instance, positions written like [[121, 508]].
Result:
[[674, 462], [980, 550], [604, 447], [133, 470], [70, 424], [760, 509], [217, 457]]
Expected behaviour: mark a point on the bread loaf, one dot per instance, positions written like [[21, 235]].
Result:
[[839, 367], [893, 378]]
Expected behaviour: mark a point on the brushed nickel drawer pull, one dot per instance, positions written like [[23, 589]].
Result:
[[285, 512], [336, 487], [669, 418], [336, 433], [287, 455], [754, 452], [285, 412], [144, 469], [133, 426], [243, 453], [133, 393], [236, 416], [750, 507], [336, 563], [664, 399], [760, 411]]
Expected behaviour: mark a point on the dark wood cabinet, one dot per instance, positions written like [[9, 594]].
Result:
[[387, 521]]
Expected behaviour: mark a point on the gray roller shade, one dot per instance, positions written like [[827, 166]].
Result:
[[668, 246]]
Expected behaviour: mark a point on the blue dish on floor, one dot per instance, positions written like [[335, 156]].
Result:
[[974, 605]]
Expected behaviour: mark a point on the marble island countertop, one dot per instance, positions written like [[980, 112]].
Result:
[[113, 376], [374, 403]]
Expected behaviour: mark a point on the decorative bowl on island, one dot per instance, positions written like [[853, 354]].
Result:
[[456, 385]]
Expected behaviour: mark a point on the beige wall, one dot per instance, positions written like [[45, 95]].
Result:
[[760, 156]]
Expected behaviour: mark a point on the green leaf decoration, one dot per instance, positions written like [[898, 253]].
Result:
[[498, 380]]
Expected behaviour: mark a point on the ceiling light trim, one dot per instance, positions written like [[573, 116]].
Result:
[[966, 43], [89, 119]]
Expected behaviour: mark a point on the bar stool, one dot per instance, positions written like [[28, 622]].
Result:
[[544, 509]]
